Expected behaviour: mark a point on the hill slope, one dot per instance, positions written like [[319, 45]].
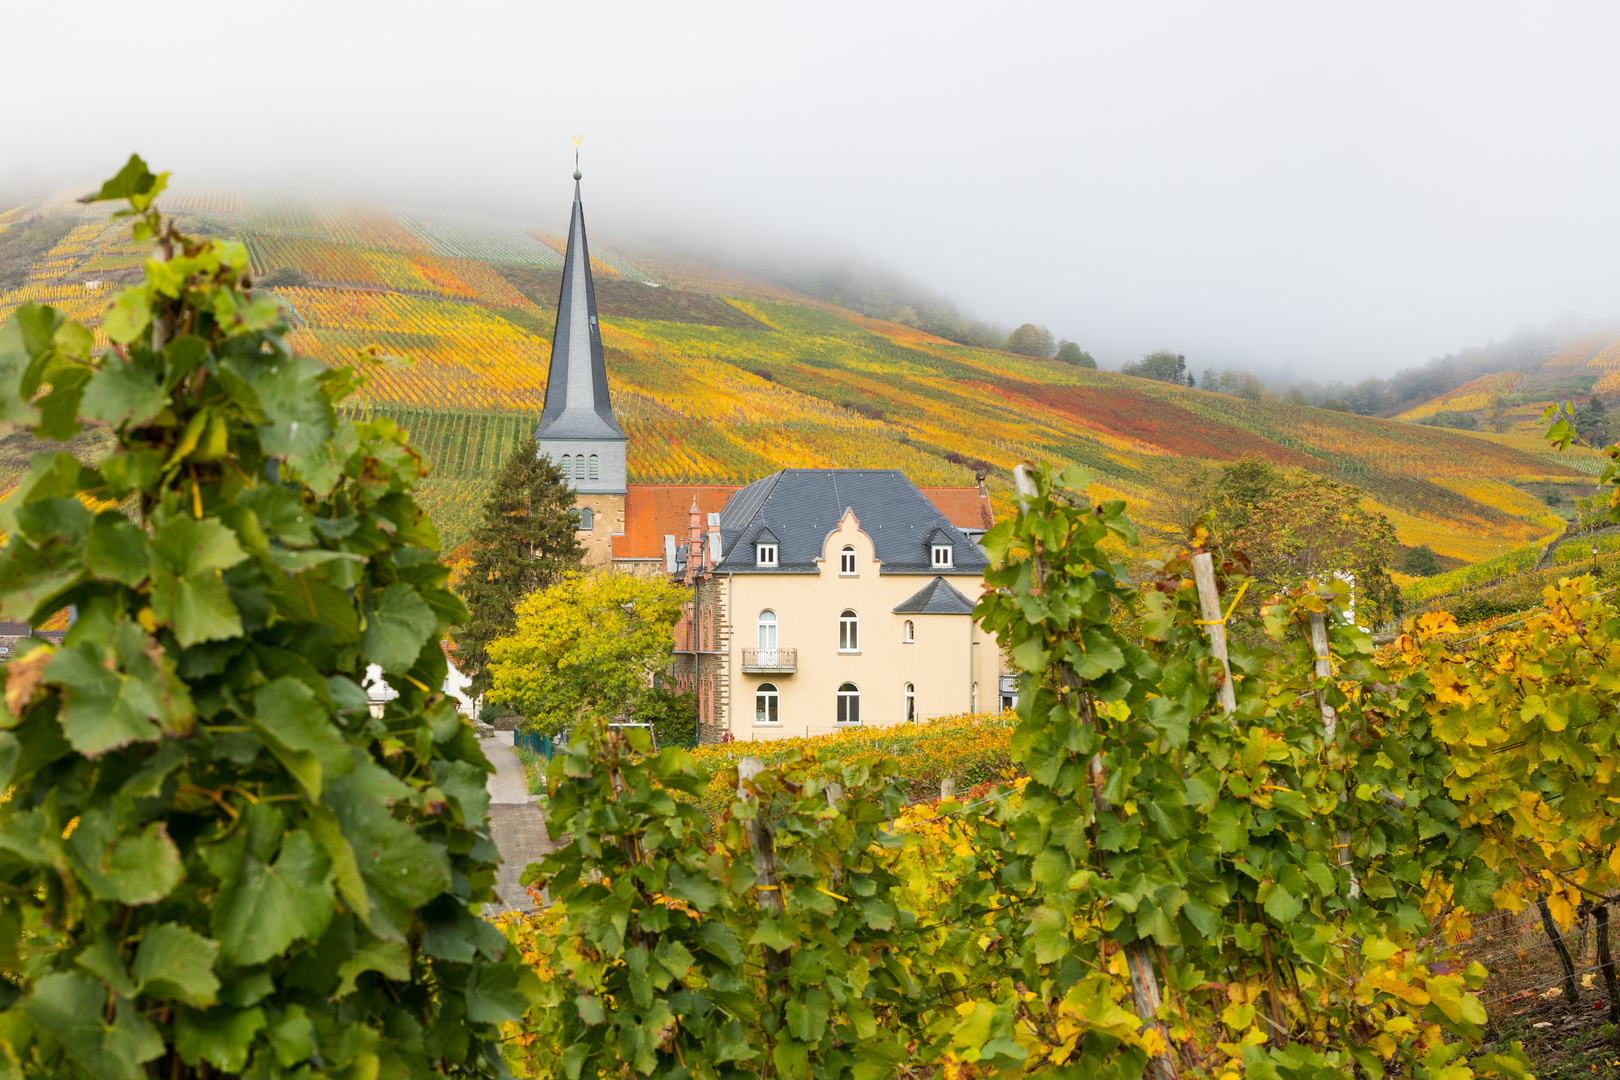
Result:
[[718, 377]]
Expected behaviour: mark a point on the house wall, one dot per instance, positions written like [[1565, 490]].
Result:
[[949, 655]]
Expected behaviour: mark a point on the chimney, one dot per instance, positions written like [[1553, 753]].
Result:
[[984, 489], [694, 543]]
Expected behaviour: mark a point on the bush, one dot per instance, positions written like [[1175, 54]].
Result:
[[1070, 353], [218, 859], [1450, 418], [289, 276], [1031, 340]]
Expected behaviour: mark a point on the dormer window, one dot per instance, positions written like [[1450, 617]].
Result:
[[764, 554], [942, 556]]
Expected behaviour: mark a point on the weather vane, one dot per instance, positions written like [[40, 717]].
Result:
[[577, 140]]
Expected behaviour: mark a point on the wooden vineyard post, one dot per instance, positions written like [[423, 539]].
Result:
[[1330, 725], [947, 789], [764, 848], [1572, 993], [1209, 606]]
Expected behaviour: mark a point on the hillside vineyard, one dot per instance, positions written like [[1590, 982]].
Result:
[[718, 378]]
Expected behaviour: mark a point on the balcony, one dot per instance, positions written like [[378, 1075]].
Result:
[[770, 661]]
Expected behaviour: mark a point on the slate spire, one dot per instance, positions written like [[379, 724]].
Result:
[[577, 401], [578, 414]]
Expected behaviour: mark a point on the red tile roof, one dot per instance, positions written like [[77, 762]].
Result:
[[653, 510], [965, 507]]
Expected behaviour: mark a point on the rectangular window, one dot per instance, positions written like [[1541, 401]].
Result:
[[942, 555], [765, 555]]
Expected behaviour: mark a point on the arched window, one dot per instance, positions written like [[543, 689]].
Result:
[[849, 704], [849, 632], [911, 703], [765, 704], [846, 562], [593, 467], [767, 630], [910, 632], [973, 699], [579, 466], [567, 466], [587, 519]]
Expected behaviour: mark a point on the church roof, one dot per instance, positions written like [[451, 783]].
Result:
[[801, 506], [938, 597], [577, 402]]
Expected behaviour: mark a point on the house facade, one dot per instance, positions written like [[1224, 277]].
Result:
[[821, 598], [829, 598]]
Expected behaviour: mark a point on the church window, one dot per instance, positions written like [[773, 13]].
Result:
[[579, 466], [587, 519], [567, 466], [593, 467]]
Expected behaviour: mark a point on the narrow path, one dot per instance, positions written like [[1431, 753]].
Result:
[[515, 822]]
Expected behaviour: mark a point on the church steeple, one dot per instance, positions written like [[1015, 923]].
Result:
[[577, 427]]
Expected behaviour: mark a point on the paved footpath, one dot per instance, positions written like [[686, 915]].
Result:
[[515, 822]]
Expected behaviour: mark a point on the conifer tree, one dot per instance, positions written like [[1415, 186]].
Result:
[[527, 540]]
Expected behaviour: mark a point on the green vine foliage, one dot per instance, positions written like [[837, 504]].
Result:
[[214, 859], [672, 958]]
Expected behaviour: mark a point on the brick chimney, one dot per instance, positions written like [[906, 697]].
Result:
[[694, 543]]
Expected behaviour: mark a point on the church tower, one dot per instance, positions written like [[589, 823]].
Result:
[[577, 429]]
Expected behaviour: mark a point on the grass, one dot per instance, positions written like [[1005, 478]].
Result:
[[534, 769]]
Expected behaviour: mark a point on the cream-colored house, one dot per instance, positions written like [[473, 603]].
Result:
[[828, 598]]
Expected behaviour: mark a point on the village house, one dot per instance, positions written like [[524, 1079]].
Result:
[[822, 598]]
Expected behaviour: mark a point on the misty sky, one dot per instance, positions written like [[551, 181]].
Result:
[[1339, 190]]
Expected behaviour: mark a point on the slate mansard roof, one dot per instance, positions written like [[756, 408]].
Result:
[[577, 401], [799, 507]]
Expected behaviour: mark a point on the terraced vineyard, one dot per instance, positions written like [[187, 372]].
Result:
[[721, 378]]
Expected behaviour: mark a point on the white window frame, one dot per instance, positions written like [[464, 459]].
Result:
[[849, 705], [944, 557], [849, 632], [908, 633], [911, 703], [846, 562], [768, 695], [767, 622], [765, 555]]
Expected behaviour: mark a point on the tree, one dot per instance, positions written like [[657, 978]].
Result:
[[1496, 413], [587, 646], [1031, 340], [1160, 366], [217, 860], [1592, 421], [529, 539], [1421, 561], [1070, 353]]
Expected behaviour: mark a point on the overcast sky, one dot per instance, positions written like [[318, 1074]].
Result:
[[1341, 189]]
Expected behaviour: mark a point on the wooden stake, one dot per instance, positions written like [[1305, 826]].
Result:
[[1209, 605], [947, 789], [1330, 726], [1146, 1000], [766, 885]]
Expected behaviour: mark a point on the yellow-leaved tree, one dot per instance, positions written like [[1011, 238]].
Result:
[[587, 646]]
